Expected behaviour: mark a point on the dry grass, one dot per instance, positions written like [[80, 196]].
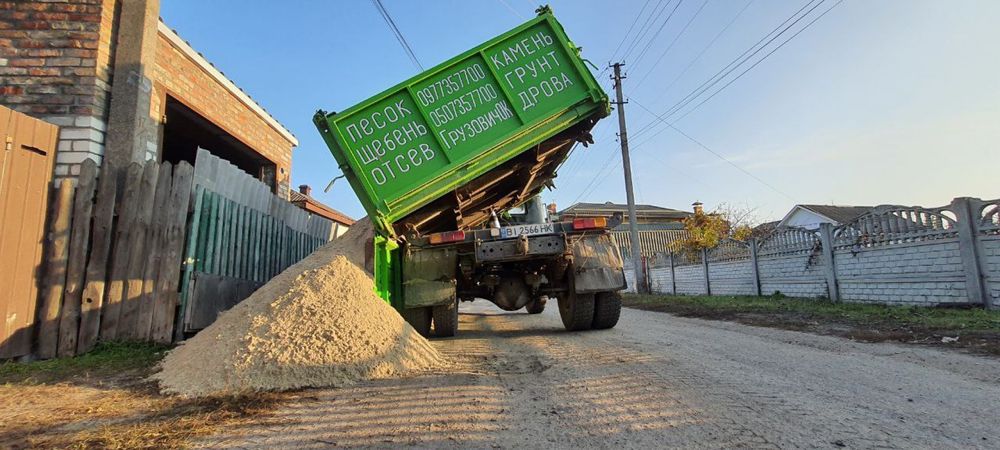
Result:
[[102, 400]]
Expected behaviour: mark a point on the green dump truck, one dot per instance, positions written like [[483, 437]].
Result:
[[436, 158]]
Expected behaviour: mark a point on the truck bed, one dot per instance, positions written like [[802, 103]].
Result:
[[505, 186]]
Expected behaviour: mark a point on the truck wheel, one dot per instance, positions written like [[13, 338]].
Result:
[[577, 311], [536, 306], [419, 319], [446, 319], [607, 309]]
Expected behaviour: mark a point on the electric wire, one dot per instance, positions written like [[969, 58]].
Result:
[[743, 58], [671, 45], [395, 31], [646, 26], [734, 64], [717, 154], [649, 43], [761, 60], [706, 48]]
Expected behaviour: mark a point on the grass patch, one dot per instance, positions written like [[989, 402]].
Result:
[[108, 358], [969, 319]]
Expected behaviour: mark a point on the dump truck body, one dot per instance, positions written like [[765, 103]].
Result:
[[423, 140], [432, 158]]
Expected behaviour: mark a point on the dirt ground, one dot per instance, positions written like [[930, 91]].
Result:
[[655, 381]]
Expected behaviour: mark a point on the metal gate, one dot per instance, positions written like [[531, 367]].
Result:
[[28, 154]]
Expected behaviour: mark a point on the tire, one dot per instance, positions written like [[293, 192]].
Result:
[[607, 309], [419, 319], [445, 319], [576, 311], [536, 306]]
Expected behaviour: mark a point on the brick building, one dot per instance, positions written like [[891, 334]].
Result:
[[122, 85]]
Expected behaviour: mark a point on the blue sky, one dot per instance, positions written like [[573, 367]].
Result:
[[892, 101]]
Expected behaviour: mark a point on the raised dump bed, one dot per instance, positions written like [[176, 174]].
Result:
[[483, 131]]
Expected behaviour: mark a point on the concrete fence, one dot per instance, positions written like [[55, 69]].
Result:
[[892, 255]]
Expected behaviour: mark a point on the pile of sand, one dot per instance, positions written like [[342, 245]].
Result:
[[318, 323]]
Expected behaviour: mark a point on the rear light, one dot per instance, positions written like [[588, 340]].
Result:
[[590, 223], [446, 237]]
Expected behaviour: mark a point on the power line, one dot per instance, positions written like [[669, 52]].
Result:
[[743, 58], [705, 49], [646, 26], [717, 154], [734, 64], [761, 60], [652, 38], [628, 32], [511, 9], [671, 45], [395, 31]]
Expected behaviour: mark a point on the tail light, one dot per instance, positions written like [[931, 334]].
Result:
[[590, 223], [446, 237]]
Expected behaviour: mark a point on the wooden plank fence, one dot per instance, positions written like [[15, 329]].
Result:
[[103, 269], [149, 251]]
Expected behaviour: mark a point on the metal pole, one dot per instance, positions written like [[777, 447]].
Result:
[[633, 230]]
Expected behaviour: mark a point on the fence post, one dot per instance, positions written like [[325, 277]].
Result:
[[968, 248], [673, 278], [753, 264], [704, 266], [826, 240]]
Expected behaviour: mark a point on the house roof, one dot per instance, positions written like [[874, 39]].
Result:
[[312, 205], [609, 208], [221, 78], [840, 214], [837, 214]]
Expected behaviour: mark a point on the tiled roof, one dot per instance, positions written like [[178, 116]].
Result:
[[299, 199], [607, 208], [841, 214]]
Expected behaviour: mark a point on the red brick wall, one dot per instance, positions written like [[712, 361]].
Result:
[[177, 75], [50, 53]]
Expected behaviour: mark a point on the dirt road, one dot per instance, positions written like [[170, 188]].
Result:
[[655, 381]]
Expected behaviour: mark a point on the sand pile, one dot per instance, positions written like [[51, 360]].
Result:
[[318, 323]]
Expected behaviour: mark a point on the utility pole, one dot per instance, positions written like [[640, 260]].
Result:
[[633, 227]]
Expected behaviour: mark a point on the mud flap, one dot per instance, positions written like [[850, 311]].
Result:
[[429, 276], [598, 264]]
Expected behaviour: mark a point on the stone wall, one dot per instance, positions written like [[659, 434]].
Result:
[[798, 274], [690, 279], [732, 277], [991, 254], [893, 255], [928, 272]]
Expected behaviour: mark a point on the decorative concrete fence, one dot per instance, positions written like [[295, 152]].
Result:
[[892, 255]]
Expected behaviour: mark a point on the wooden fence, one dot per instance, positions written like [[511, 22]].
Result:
[[150, 251], [27, 156], [113, 265]]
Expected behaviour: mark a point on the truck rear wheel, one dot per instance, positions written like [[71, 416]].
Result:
[[607, 309], [419, 319], [446, 319], [576, 311], [536, 306]]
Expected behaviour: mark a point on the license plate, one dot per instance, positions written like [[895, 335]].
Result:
[[526, 230]]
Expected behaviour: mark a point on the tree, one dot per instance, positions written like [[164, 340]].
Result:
[[706, 230]]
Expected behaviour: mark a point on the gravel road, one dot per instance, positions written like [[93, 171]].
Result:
[[655, 381]]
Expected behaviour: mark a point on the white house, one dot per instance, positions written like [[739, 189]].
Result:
[[810, 216]]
